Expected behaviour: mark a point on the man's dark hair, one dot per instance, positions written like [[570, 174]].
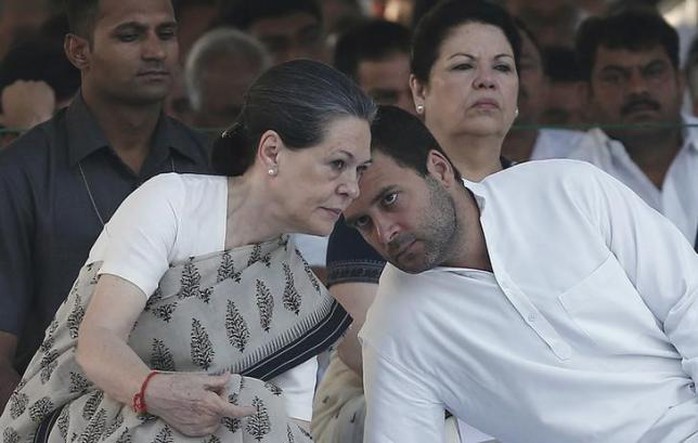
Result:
[[437, 24], [374, 40], [41, 60], [561, 64], [632, 29], [242, 14], [404, 138], [82, 16]]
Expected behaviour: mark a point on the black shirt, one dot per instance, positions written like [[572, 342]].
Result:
[[48, 221]]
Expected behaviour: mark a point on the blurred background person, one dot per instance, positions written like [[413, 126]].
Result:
[[691, 74], [631, 62], [219, 69], [527, 140], [20, 19], [36, 79], [289, 29], [376, 54], [566, 103]]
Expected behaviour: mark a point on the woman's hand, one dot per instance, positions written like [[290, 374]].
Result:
[[193, 404]]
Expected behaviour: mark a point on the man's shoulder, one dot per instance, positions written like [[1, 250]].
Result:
[[194, 136]]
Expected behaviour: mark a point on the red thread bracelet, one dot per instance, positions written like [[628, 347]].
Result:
[[139, 397]]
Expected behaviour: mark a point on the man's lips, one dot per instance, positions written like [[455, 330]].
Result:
[[154, 74], [640, 106]]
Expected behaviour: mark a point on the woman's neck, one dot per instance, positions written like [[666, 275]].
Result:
[[250, 213], [475, 157]]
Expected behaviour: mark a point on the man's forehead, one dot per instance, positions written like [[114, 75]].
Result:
[[118, 12], [625, 56]]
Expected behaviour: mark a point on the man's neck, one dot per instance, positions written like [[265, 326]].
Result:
[[654, 154], [469, 251], [129, 129]]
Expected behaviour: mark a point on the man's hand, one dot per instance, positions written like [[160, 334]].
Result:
[[191, 403], [27, 103]]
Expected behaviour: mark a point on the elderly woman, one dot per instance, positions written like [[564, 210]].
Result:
[[194, 280], [465, 85]]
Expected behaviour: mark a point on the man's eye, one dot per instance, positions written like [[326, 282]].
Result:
[[390, 199], [127, 37], [167, 35], [362, 222]]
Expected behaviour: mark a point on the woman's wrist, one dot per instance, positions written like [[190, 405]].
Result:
[[138, 403]]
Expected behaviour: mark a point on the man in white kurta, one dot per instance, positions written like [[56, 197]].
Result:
[[578, 324]]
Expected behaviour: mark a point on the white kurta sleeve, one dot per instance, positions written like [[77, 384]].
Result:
[[658, 260], [400, 407], [138, 241]]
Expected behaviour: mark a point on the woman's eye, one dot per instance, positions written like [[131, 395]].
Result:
[[503, 68], [339, 164], [462, 67]]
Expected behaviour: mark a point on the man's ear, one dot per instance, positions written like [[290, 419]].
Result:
[[268, 150], [77, 49], [440, 168]]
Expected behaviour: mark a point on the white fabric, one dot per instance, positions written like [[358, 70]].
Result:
[[172, 217], [586, 331], [678, 198], [312, 247], [555, 143]]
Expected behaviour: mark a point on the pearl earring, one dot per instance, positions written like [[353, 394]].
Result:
[[272, 171], [516, 112], [420, 109]]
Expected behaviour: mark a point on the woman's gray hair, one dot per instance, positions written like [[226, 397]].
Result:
[[220, 42]]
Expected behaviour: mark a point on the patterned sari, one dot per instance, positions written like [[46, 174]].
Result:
[[256, 311]]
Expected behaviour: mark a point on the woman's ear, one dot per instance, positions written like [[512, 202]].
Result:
[[268, 150], [418, 93], [440, 168]]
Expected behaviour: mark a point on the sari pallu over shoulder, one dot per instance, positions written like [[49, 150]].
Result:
[[256, 311]]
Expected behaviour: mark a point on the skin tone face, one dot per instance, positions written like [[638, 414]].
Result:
[[290, 37], [224, 83], [473, 86], [387, 81], [318, 183], [410, 220], [566, 104], [133, 52], [635, 87], [532, 82]]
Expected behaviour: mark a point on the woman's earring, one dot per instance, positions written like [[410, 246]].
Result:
[[516, 112], [272, 171], [420, 109]]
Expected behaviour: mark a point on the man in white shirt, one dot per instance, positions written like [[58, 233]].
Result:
[[546, 303], [631, 61]]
